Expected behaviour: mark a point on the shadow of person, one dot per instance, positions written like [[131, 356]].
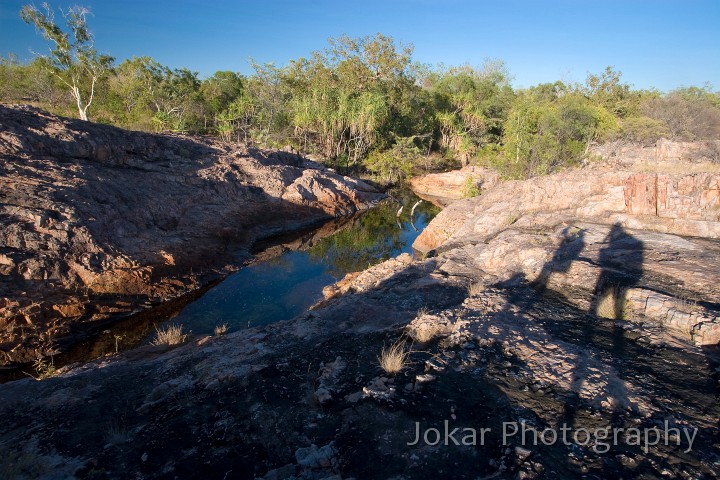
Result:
[[621, 264], [570, 248]]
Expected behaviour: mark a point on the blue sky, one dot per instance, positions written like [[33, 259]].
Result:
[[659, 43]]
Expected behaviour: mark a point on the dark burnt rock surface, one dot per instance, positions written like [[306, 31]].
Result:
[[97, 222], [305, 399]]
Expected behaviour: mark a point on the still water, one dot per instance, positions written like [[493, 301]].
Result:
[[284, 286]]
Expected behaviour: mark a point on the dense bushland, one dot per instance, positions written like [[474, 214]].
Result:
[[359, 104]]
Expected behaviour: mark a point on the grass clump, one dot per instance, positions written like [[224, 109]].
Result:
[[424, 332], [221, 329], [475, 289], [170, 335], [394, 358], [608, 306]]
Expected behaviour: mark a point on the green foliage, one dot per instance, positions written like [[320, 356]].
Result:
[[607, 91], [543, 135], [471, 105], [470, 189], [361, 104], [643, 130], [73, 58], [395, 164]]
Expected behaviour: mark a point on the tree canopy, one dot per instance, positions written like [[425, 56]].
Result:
[[360, 103], [73, 58]]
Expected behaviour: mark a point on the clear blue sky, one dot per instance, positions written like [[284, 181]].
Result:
[[655, 43]]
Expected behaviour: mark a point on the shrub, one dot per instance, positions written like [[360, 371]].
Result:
[[689, 114], [43, 368]]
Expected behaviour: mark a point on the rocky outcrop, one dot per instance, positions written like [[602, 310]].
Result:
[[97, 222], [564, 341], [524, 228], [444, 188], [683, 204]]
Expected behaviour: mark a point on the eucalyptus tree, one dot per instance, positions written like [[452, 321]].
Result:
[[73, 58]]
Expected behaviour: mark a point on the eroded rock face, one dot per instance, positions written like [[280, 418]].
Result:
[[581, 232], [97, 221], [545, 320], [678, 204], [444, 188]]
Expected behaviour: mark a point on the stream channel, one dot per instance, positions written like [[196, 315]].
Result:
[[285, 277]]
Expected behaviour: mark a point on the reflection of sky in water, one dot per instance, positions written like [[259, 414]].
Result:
[[283, 287]]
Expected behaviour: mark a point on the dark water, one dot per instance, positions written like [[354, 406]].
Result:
[[286, 278], [284, 286]]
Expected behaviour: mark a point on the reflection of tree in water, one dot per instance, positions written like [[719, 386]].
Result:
[[279, 261], [372, 237]]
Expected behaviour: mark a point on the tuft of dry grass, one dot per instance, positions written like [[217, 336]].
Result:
[[170, 335], [394, 358], [607, 305], [475, 289], [424, 332], [221, 329], [117, 433], [685, 304]]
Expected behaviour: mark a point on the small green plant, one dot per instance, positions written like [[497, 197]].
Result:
[[221, 329], [43, 368], [394, 358], [170, 335], [470, 189]]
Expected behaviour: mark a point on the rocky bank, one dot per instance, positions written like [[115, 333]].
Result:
[[573, 314], [444, 188], [98, 222]]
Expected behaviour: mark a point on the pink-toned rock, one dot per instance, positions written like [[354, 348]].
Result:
[[444, 188], [683, 204]]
